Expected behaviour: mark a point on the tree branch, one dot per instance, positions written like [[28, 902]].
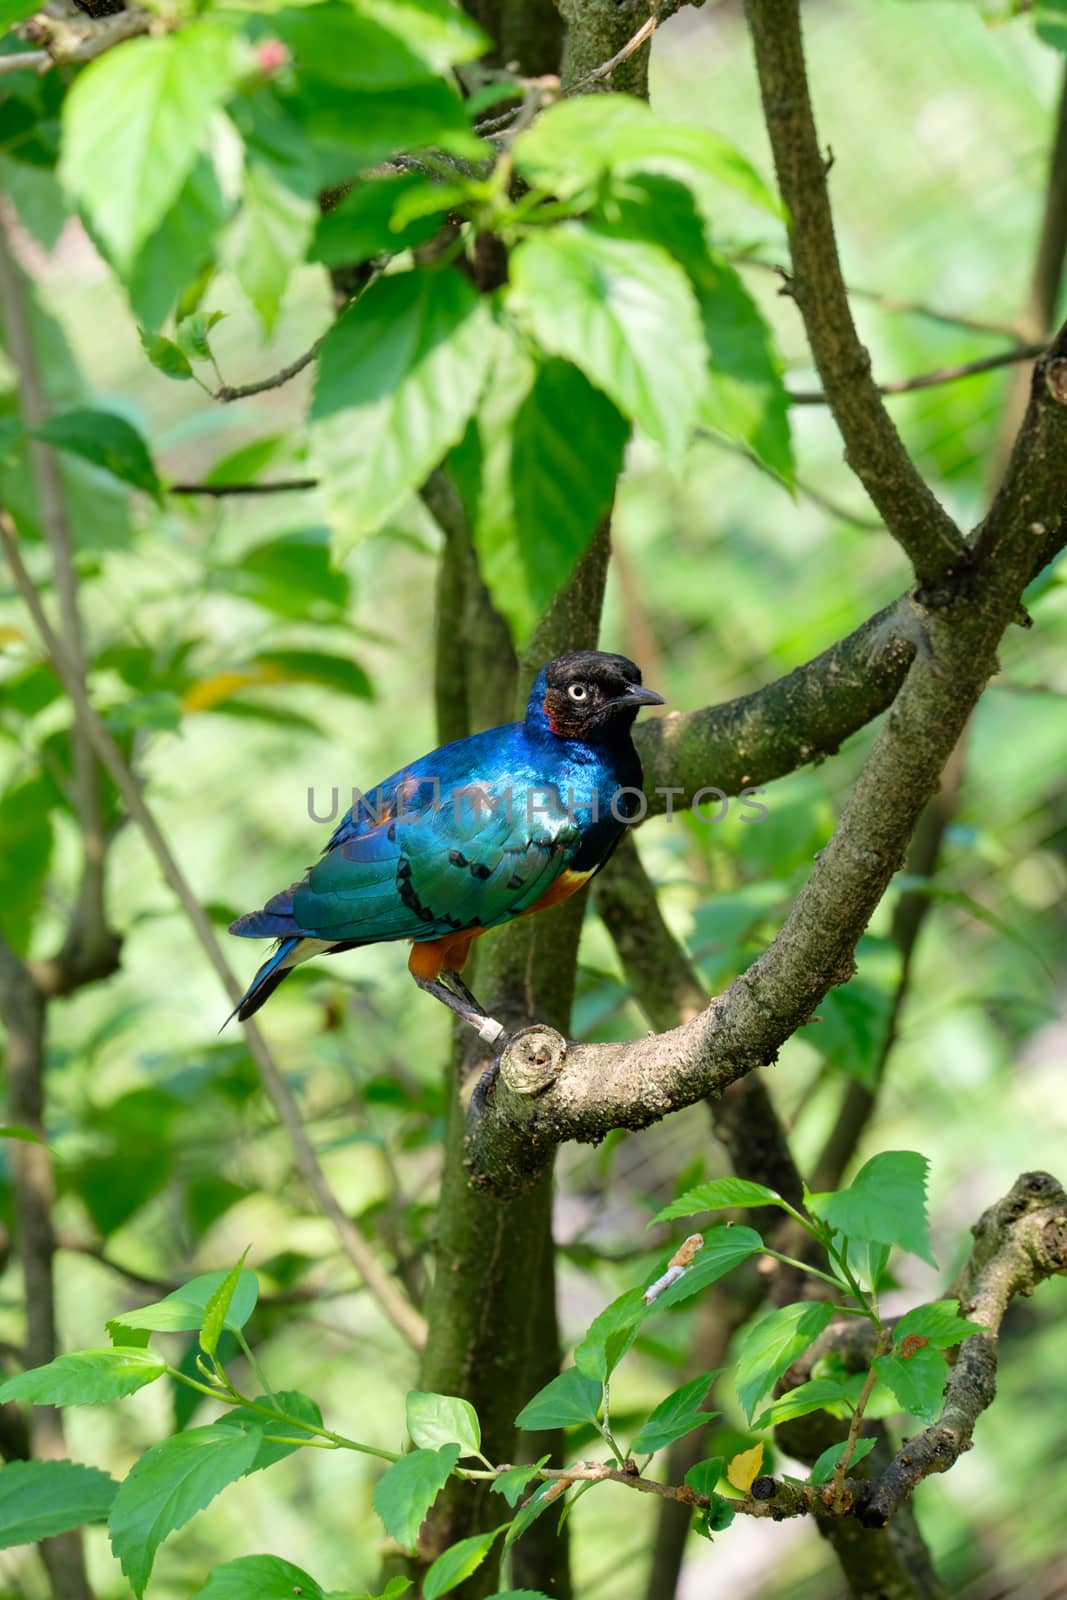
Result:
[[221, 491], [930, 380], [390, 1297], [873, 448], [70, 44]]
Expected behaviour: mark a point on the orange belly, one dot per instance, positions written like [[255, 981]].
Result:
[[430, 957]]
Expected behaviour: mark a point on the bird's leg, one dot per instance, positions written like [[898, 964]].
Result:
[[456, 984], [486, 1028]]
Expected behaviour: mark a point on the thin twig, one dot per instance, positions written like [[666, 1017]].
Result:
[[390, 1297], [890, 303], [931, 380], [857, 519], [874, 449], [66, 43], [220, 491], [241, 391], [26, 61]]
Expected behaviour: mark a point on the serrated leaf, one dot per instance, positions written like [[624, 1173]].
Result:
[[675, 1416], [437, 1419], [108, 441], [258, 1578], [624, 313], [218, 1307], [399, 374], [746, 397], [512, 1483], [294, 1404], [885, 1203], [799, 1402], [939, 1323], [169, 1485], [566, 1401], [166, 356], [562, 479], [184, 1308], [823, 1467], [918, 1380], [724, 1249], [773, 1344], [404, 1495], [42, 1498], [574, 143], [457, 1563], [610, 1335], [744, 1468], [268, 238], [86, 1377], [133, 124], [718, 1195], [704, 1476]]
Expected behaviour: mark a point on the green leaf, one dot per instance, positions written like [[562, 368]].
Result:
[[41, 1498], [458, 1563], [133, 124], [13, 11], [885, 1203], [178, 249], [258, 1578], [86, 1377], [716, 1196], [723, 1250], [565, 1401], [184, 1308], [823, 1467], [610, 1335], [573, 144], [406, 1492], [365, 127], [218, 1307], [562, 478], [437, 30], [705, 1475], [512, 1483], [107, 441], [290, 575], [26, 828], [773, 1344], [361, 225], [166, 356], [316, 666], [399, 374], [193, 332], [269, 237], [547, 1495], [918, 1380], [624, 313], [341, 44], [939, 1322], [675, 1416], [14, 1130], [1050, 23], [437, 1419], [746, 396], [169, 1485], [799, 1402], [294, 1404]]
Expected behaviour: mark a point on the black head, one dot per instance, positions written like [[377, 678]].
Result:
[[590, 695]]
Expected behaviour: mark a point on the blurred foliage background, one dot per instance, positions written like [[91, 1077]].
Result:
[[168, 1158]]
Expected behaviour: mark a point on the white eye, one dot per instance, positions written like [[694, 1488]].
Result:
[[578, 691]]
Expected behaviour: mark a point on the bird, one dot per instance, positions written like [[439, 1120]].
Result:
[[502, 824]]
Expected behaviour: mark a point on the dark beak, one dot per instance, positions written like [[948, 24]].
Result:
[[637, 696]]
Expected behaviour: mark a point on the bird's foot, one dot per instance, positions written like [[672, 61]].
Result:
[[453, 993]]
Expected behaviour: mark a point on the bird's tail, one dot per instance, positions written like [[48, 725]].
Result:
[[266, 980]]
